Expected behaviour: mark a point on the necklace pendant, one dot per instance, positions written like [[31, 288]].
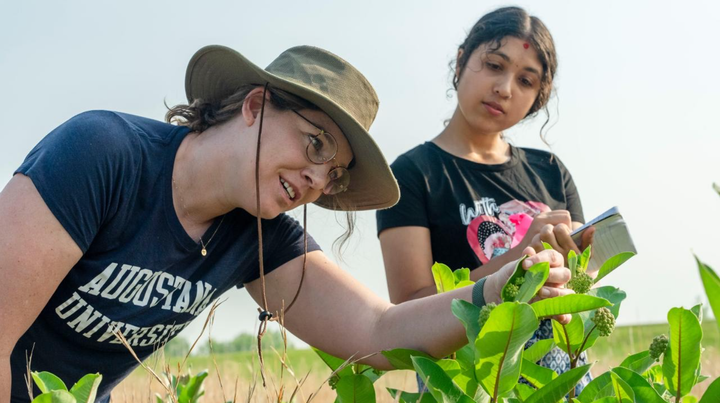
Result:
[[203, 252]]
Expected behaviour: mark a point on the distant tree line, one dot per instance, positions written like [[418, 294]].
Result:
[[179, 346]]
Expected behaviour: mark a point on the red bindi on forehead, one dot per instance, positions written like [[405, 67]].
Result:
[[526, 45]]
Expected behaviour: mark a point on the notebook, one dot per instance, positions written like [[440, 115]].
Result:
[[611, 237]]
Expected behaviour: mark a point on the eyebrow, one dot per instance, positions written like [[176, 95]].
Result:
[[317, 126], [352, 161], [507, 59]]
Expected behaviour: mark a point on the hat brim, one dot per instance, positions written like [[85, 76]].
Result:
[[216, 72]]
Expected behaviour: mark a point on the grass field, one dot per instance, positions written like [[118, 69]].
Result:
[[239, 371]]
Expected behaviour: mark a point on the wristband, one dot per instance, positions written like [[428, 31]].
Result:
[[478, 296]]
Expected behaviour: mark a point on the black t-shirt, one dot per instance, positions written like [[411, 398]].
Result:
[[107, 178], [476, 211]]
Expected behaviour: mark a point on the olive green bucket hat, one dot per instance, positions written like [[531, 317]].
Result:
[[316, 75]]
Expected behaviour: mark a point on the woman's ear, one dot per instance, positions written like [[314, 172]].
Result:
[[457, 64], [252, 105]]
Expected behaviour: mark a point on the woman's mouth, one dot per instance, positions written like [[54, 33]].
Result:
[[288, 189], [494, 108]]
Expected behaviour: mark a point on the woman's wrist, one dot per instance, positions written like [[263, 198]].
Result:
[[478, 293]]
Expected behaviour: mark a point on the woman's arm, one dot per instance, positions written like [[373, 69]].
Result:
[[340, 316], [407, 254], [36, 253]]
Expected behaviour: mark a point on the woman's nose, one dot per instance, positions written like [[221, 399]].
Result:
[[317, 176], [503, 87]]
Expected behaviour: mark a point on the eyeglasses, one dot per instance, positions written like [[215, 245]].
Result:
[[321, 149]]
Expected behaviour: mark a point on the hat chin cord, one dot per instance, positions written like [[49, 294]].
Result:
[[265, 315]]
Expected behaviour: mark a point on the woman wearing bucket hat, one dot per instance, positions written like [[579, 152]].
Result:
[[117, 224]]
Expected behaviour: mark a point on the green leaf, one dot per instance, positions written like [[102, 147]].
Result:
[[355, 388], [654, 374], [401, 358], [585, 258], [570, 336], [517, 273], [593, 390], [682, 358], [466, 358], [407, 397], [690, 399], [547, 246], [192, 390], [468, 314], [622, 390], [461, 275], [612, 399], [444, 278], [538, 350], [612, 264], [371, 373], [85, 390], [537, 375], [697, 310], [644, 392], [716, 187], [712, 394], [500, 345], [464, 284], [55, 396], [711, 282], [571, 303], [523, 391], [464, 380], [334, 363], [439, 384], [560, 386], [481, 396], [572, 262], [535, 277], [47, 381], [639, 362]]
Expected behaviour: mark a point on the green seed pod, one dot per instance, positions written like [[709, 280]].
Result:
[[604, 321], [485, 313], [511, 291], [581, 283], [658, 346]]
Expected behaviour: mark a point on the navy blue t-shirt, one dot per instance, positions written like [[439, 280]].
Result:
[[107, 178]]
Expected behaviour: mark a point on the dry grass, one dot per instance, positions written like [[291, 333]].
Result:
[[241, 382], [240, 377]]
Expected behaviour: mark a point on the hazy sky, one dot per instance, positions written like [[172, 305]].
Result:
[[635, 112]]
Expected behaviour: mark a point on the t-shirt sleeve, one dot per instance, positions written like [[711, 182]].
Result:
[[282, 242], [411, 209], [79, 169], [572, 196]]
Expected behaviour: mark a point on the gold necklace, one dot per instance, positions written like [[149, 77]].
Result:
[[203, 251]]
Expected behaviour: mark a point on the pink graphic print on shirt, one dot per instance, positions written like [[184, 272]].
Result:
[[490, 236]]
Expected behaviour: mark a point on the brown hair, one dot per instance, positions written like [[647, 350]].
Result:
[[201, 115], [513, 21]]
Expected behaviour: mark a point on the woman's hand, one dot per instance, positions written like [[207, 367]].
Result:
[[554, 286], [558, 236]]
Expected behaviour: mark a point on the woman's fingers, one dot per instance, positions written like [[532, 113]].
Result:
[[565, 242], [551, 292], [563, 319], [587, 237], [551, 256]]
